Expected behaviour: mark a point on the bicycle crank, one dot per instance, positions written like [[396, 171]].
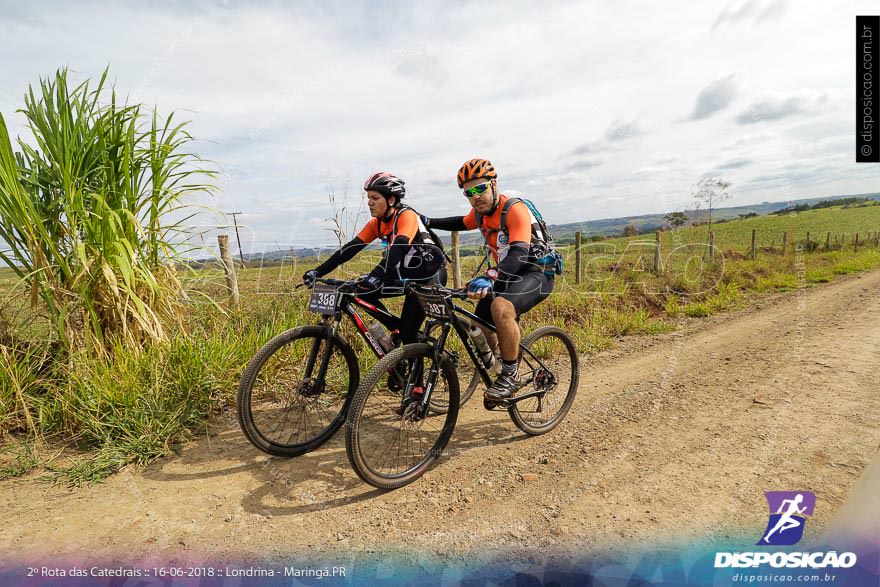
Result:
[[490, 404]]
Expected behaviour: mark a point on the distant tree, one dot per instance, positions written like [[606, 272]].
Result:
[[845, 202], [749, 215], [676, 219], [792, 209], [711, 191], [630, 230]]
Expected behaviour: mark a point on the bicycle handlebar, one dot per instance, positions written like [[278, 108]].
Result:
[[350, 283], [460, 294], [336, 282]]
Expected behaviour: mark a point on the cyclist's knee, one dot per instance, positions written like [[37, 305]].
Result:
[[502, 310]]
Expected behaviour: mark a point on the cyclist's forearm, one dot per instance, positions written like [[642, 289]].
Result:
[[514, 262], [448, 223], [348, 250]]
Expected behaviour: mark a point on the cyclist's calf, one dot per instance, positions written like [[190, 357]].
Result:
[[504, 317]]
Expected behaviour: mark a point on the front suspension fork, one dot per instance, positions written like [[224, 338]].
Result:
[[330, 329]]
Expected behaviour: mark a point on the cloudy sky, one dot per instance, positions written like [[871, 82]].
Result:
[[592, 109]]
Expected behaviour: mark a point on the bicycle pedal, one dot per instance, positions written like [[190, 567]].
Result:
[[490, 405]]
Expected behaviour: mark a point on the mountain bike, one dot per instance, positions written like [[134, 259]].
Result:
[[295, 392], [394, 435]]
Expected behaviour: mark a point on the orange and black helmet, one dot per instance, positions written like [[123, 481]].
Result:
[[476, 169]]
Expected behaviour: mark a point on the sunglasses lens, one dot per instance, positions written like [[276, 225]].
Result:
[[476, 190]]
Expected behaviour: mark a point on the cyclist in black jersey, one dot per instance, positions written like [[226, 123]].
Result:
[[411, 253]]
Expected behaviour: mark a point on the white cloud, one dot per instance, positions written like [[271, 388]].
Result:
[[570, 100], [778, 107], [750, 12], [716, 96]]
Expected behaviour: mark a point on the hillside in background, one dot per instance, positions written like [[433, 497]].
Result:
[[606, 227], [651, 222]]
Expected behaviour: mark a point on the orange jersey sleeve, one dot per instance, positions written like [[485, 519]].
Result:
[[470, 221], [370, 231], [519, 224], [407, 225]]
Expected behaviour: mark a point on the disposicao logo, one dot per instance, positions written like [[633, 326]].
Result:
[[788, 517]]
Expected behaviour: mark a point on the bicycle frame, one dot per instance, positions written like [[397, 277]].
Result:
[[451, 318], [346, 306]]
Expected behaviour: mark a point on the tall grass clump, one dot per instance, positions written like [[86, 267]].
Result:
[[23, 371], [85, 212], [92, 212]]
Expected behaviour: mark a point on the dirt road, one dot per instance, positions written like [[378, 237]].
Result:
[[671, 436]]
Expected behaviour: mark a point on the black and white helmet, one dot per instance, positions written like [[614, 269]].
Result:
[[386, 184]]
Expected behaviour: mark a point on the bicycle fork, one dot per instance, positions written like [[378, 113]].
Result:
[[325, 358], [417, 374]]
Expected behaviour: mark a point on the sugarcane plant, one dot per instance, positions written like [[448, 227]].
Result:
[[93, 212]]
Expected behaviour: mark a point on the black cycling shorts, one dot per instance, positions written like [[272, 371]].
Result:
[[523, 291]]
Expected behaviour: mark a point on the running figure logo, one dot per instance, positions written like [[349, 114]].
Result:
[[788, 516]]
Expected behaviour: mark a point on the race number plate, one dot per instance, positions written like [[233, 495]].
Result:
[[323, 300], [434, 306]]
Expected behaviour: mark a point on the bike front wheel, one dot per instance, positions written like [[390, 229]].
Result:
[[393, 437], [468, 375], [284, 408], [551, 367]]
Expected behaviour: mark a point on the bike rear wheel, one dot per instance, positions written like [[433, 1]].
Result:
[[282, 408], [392, 439], [556, 374]]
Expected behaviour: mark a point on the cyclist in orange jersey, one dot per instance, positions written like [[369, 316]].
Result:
[[411, 254], [516, 280]]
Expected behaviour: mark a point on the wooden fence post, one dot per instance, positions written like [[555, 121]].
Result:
[[808, 241], [657, 267], [228, 268], [828, 241], [712, 245], [456, 259], [856, 242], [754, 252], [784, 242], [577, 257]]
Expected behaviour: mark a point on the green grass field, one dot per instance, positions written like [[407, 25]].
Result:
[[134, 405]]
